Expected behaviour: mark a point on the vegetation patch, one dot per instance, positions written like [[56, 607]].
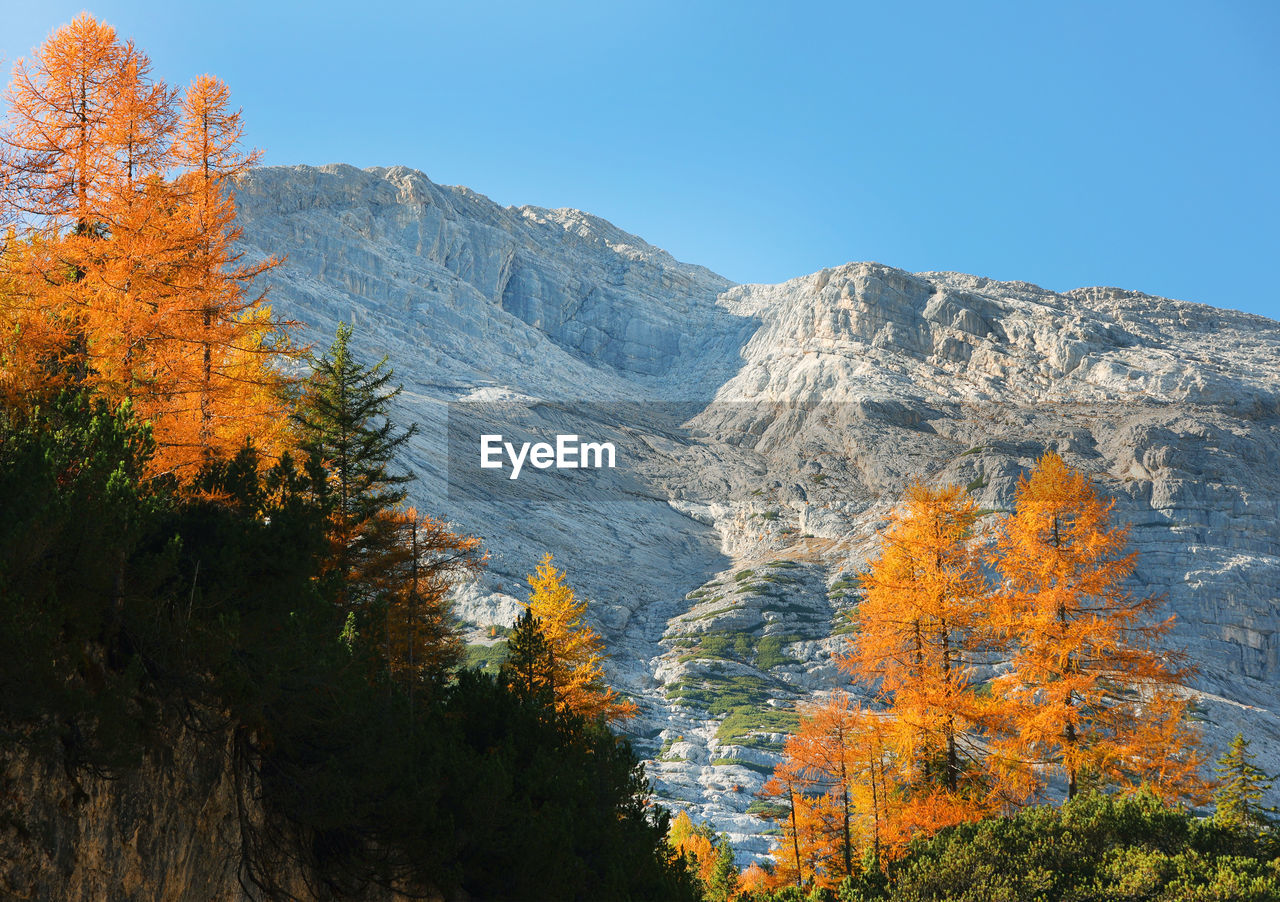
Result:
[[769, 652], [486, 657], [1094, 847], [722, 693], [729, 646], [709, 614], [844, 624], [777, 579], [745, 721], [742, 762], [765, 809]]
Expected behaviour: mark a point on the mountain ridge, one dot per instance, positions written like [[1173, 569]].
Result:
[[817, 400]]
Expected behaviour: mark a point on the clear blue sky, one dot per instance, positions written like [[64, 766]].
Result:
[[1080, 143]]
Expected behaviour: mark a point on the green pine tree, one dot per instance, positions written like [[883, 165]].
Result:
[[1238, 799], [723, 882], [344, 421], [529, 669]]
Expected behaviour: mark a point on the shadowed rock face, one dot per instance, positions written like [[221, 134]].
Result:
[[813, 404]]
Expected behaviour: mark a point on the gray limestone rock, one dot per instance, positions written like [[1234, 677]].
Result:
[[773, 427]]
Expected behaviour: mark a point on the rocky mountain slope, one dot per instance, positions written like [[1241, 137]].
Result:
[[767, 429]]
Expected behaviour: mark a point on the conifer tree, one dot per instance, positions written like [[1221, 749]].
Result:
[[576, 648], [795, 823], [529, 670], [754, 881], [59, 156], [1088, 694], [344, 424], [825, 755], [722, 883], [920, 628], [1241, 786], [120, 279], [229, 390], [837, 775], [422, 644]]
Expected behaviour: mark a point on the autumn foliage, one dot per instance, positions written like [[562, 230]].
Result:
[[1088, 695], [577, 652], [118, 279], [920, 627], [421, 641], [1084, 695], [117, 273]]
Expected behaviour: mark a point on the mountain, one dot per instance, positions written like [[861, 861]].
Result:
[[767, 430]]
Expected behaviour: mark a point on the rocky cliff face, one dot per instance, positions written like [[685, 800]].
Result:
[[772, 427], [169, 829], [178, 827]]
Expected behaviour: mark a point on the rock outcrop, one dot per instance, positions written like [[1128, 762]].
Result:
[[772, 426]]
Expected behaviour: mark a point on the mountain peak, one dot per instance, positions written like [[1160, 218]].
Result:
[[815, 402]]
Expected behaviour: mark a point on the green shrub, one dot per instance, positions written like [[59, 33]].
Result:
[[769, 653], [486, 657]]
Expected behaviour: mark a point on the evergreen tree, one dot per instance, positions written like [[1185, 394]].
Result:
[[723, 883], [1238, 799], [529, 668], [344, 425]]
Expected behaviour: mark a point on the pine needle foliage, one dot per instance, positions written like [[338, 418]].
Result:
[[344, 423], [1241, 787]]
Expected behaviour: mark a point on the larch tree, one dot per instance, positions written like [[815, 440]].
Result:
[[1088, 694], [230, 392], [920, 627], [59, 159], [60, 142], [576, 648], [697, 843], [136, 265], [421, 638], [754, 881], [794, 847], [824, 754], [119, 277], [839, 777]]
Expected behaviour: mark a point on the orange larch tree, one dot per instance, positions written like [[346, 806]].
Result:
[[577, 649], [793, 856], [229, 391], [1088, 694], [694, 841], [422, 644], [754, 881], [824, 753], [60, 163], [838, 776], [119, 279], [920, 628]]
